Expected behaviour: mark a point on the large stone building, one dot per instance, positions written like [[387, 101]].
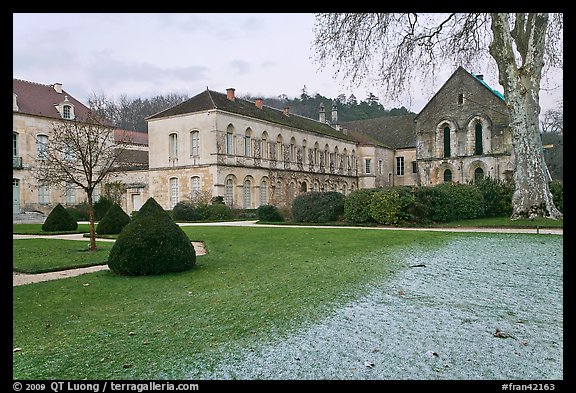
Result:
[[216, 144]]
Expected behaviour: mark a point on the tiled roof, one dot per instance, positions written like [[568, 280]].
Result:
[[134, 137], [208, 100], [37, 99], [132, 159], [393, 131]]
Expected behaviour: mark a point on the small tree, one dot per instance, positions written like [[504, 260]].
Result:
[[81, 152], [59, 220]]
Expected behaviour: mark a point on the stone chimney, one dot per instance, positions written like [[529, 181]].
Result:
[[57, 87], [334, 114], [322, 114], [286, 110], [259, 103], [230, 94]]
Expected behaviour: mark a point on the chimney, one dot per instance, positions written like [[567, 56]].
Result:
[[259, 103], [230, 94], [334, 114], [480, 76], [322, 114], [58, 87], [286, 110]]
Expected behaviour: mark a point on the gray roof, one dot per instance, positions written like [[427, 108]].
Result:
[[209, 100], [396, 132]]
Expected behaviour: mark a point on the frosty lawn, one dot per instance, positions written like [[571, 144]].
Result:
[[260, 284]]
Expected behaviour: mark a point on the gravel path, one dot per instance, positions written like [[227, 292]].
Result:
[[482, 307]]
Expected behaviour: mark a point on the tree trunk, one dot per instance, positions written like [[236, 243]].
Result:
[[532, 196], [91, 219]]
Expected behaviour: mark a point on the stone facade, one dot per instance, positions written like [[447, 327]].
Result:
[[215, 144]]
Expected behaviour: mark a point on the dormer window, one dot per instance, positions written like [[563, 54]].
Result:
[[66, 109], [66, 112]]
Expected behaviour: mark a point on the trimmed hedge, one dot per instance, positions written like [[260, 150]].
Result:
[[357, 205], [269, 213], [152, 243], [59, 220], [113, 221]]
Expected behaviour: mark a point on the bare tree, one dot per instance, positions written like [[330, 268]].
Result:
[[553, 120], [81, 153], [398, 46]]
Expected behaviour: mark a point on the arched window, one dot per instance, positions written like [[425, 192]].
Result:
[[195, 143], [478, 150], [247, 191], [303, 187], [304, 152], [447, 176], [248, 143], [344, 189], [291, 190], [292, 149], [279, 148], [478, 173], [195, 184], [174, 192], [265, 145], [446, 141], [263, 192], [173, 145], [229, 193], [42, 147], [316, 154], [230, 140]]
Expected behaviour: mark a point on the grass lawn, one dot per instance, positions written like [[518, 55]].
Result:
[[254, 284], [47, 255]]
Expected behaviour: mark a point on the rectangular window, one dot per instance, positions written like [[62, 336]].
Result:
[[379, 167], [173, 146], [229, 144], [196, 184], [399, 166], [66, 112], [247, 146], [173, 192], [70, 195], [195, 143], [14, 144], [42, 147], [368, 167], [414, 167], [43, 195]]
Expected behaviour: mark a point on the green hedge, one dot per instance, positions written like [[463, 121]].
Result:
[[318, 207]]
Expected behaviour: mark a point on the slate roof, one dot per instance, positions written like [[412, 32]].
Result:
[[135, 137], [209, 100], [38, 99], [391, 131]]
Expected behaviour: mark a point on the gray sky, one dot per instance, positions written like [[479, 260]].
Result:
[[143, 55]]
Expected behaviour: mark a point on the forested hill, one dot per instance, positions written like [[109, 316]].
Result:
[[348, 108], [129, 114]]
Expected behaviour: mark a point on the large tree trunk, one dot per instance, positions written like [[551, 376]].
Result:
[[532, 196]]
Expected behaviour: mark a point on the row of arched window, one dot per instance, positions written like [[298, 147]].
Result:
[[475, 143], [259, 193]]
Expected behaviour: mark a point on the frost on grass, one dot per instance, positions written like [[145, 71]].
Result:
[[440, 321]]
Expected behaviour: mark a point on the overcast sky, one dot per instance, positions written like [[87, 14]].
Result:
[[144, 55]]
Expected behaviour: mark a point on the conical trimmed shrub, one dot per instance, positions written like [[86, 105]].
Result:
[[59, 220], [152, 243], [113, 221]]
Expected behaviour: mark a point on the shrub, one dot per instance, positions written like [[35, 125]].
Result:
[[152, 243], [557, 191], [432, 204], [186, 211], [219, 212], [113, 221], [59, 220], [357, 205], [79, 212], [497, 196], [317, 206], [467, 201], [385, 206], [269, 213], [101, 206]]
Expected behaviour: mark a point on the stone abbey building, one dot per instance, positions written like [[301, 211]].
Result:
[[217, 144]]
